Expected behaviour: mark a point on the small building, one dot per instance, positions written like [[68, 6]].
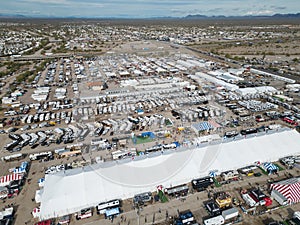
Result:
[[95, 86], [223, 200], [124, 73], [230, 175]]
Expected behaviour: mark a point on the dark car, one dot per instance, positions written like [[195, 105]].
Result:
[[258, 174], [34, 146]]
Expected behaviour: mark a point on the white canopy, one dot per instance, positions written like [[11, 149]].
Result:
[[69, 191]]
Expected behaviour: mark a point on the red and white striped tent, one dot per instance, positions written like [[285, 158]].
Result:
[[5, 180], [290, 189]]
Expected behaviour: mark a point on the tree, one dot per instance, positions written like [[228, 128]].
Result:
[[227, 55]]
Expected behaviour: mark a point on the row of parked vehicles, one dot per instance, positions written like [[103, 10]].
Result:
[[53, 105], [48, 116], [161, 147], [109, 209], [42, 138], [252, 130]]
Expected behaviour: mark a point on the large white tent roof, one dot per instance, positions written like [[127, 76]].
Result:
[[69, 191], [215, 80]]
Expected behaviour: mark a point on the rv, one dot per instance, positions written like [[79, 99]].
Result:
[[202, 183], [217, 220], [10, 158], [142, 198], [84, 213], [41, 155], [177, 191], [102, 207], [121, 154]]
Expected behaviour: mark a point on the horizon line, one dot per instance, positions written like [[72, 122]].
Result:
[[190, 16]]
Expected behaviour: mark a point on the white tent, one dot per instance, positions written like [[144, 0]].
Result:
[[228, 86], [246, 91], [69, 191], [37, 197]]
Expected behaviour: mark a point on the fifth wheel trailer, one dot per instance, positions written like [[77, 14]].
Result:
[[217, 220]]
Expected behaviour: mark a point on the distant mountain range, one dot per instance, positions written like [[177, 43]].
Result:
[[188, 17], [12, 16], [197, 16]]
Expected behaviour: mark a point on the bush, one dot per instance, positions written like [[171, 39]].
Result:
[[227, 55], [24, 76]]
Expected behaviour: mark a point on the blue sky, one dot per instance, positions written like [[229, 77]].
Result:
[[146, 8]]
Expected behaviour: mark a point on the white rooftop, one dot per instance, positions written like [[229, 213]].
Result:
[[71, 190]]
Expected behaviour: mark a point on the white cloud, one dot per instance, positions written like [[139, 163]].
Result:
[[260, 13], [46, 1], [149, 8], [66, 2]]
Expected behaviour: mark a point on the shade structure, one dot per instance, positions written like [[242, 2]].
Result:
[[290, 189], [214, 124], [69, 191], [202, 126]]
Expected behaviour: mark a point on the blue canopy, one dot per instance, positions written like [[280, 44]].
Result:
[[41, 180], [213, 173], [176, 143], [19, 170], [148, 134], [24, 165], [22, 168], [112, 212], [270, 167]]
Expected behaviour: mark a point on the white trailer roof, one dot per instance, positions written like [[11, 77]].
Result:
[[71, 190]]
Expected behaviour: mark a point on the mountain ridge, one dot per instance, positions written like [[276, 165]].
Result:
[[187, 17]]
